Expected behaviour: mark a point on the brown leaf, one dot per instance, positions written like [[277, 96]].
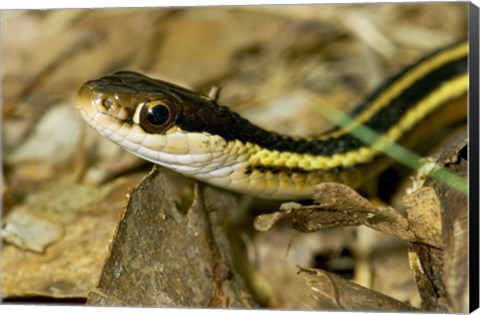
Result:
[[455, 235], [337, 205], [425, 223], [336, 293], [163, 257], [455, 232], [439, 213]]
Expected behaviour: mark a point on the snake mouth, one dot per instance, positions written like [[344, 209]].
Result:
[[84, 103]]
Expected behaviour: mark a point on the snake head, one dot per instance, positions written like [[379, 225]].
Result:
[[161, 122], [131, 98], [154, 105]]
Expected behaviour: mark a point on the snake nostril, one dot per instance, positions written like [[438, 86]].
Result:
[[108, 103]]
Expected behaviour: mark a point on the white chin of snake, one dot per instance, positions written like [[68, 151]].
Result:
[[174, 150]]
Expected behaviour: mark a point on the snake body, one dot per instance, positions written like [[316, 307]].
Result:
[[192, 134]]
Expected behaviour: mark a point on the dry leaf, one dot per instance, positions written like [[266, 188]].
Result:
[[163, 257], [336, 293], [337, 205], [440, 213]]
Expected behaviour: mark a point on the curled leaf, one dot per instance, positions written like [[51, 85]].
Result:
[[337, 205]]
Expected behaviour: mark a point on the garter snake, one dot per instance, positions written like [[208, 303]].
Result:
[[192, 134]]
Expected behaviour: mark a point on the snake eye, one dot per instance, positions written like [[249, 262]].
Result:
[[156, 116]]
